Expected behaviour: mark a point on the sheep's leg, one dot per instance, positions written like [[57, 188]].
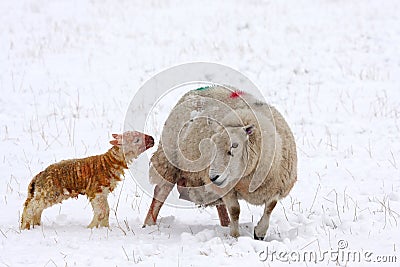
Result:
[[101, 211], [160, 195], [223, 215], [184, 194], [261, 229], [182, 189], [233, 206]]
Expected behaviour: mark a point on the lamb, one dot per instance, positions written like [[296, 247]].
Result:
[[252, 154], [94, 176]]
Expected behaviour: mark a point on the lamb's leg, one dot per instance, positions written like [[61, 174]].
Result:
[[37, 216], [33, 208], [101, 211], [261, 229], [27, 219], [233, 206], [160, 195]]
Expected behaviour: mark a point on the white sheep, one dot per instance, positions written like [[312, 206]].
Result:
[[94, 177], [253, 157]]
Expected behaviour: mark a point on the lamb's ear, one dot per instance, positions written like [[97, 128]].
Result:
[[249, 129], [115, 135], [114, 142]]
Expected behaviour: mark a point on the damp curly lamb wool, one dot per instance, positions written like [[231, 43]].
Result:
[[93, 176]]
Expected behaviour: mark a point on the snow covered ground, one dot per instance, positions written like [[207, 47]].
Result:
[[68, 70]]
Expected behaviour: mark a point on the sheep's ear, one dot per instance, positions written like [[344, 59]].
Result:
[[218, 128], [249, 129]]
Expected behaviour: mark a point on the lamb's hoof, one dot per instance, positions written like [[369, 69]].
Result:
[[25, 227], [105, 224], [28, 226], [257, 237], [93, 225]]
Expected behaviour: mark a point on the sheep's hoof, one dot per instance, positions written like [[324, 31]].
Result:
[[257, 237], [235, 233], [148, 223]]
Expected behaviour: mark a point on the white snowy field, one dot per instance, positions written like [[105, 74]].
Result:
[[69, 68]]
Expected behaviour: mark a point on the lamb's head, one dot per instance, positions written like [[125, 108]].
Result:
[[233, 156], [133, 143]]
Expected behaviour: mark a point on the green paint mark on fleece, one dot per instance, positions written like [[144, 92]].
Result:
[[202, 88]]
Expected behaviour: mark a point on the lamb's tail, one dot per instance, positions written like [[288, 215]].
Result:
[[31, 191]]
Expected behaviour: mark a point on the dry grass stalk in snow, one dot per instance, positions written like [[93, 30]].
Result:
[[94, 176]]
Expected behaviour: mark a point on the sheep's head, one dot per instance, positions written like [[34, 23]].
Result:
[[133, 143], [232, 156]]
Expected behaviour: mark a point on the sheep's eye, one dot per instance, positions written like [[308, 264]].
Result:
[[234, 145], [136, 140]]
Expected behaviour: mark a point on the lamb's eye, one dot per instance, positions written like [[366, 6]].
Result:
[[136, 140], [234, 145]]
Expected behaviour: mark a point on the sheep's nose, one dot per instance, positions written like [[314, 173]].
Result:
[[214, 178]]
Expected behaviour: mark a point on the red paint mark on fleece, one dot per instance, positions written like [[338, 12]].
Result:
[[236, 94]]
